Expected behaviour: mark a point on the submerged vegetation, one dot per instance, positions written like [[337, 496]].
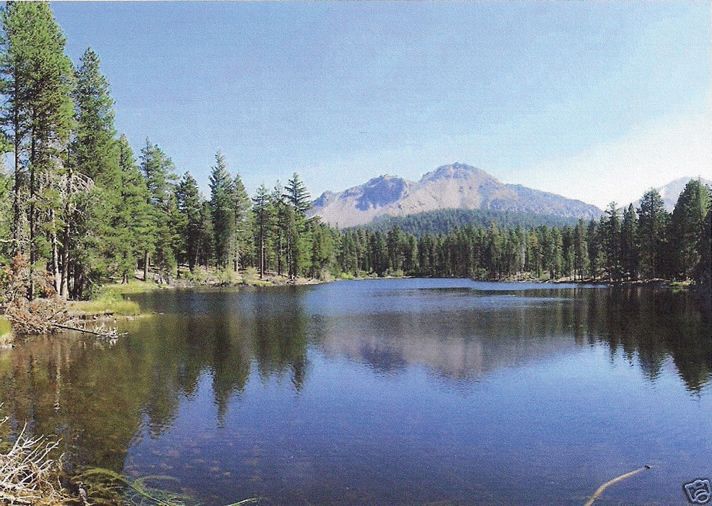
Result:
[[105, 486]]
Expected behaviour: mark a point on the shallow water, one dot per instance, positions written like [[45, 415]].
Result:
[[386, 391]]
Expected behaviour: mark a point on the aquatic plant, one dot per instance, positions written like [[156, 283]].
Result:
[[104, 486]]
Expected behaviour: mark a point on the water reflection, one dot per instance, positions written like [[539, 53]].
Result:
[[101, 399]]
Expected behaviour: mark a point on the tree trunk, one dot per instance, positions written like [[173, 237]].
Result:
[[279, 255], [55, 256], [31, 293], [262, 251], [64, 282], [16, 233], [146, 260]]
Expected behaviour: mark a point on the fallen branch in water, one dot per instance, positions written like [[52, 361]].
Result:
[[46, 316], [107, 333], [599, 491]]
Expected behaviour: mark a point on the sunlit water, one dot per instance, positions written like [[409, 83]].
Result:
[[386, 391]]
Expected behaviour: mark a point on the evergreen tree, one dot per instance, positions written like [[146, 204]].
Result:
[[629, 243], [322, 250], [206, 252], [594, 249], [261, 210], [610, 230], [38, 116], [687, 221], [581, 259], [703, 272], [242, 213], [297, 195], [296, 231], [133, 219], [94, 155], [94, 148], [160, 241], [652, 225], [221, 201], [279, 213], [190, 206]]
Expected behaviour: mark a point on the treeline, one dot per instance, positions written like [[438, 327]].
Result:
[[632, 244], [81, 209], [443, 221]]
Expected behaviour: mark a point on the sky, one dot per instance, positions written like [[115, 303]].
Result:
[[597, 101]]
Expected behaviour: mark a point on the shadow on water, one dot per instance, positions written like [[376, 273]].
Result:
[[100, 399]]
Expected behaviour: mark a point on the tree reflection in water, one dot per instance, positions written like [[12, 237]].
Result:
[[99, 398]]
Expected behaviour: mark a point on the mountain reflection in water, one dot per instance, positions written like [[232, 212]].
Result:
[[104, 401]]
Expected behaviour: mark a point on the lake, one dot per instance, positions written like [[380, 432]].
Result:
[[413, 391]]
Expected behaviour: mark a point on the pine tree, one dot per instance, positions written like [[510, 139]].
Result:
[[296, 231], [207, 235], [687, 221], [297, 195], [159, 174], [94, 155], [581, 260], [133, 219], [593, 242], [279, 212], [629, 243], [241, 208], [652, 228], [94, 148], [703, 272], [322, 250], [261, 210], [221, 201], [610, 230], [38, 80], [190, 206]]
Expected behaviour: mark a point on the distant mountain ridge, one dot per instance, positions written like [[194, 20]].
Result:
[[454, 186]]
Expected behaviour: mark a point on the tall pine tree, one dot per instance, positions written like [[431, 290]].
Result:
[[190, 206], [687, 220], [133, 220], [221, 201], [38, 116]]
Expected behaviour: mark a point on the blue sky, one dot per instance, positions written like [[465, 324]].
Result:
[[593, 100]]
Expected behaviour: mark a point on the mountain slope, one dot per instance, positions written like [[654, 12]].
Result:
[[455, 186]]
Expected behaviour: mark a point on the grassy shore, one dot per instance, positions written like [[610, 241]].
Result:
[[111, 300], [6, 336]]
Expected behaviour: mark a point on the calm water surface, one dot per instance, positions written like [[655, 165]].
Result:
[[386, 392]]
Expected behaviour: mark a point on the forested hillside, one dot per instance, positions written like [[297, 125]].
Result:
[[80, 208], [444, 221]]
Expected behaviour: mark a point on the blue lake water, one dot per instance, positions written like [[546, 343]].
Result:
[[414, 391]]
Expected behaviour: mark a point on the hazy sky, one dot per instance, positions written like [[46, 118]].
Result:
[[592, 100]]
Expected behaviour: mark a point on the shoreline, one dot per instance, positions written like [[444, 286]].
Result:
[[113, 303]]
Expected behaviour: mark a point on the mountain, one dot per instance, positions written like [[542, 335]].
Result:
[[455, 186], [671, 191]]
